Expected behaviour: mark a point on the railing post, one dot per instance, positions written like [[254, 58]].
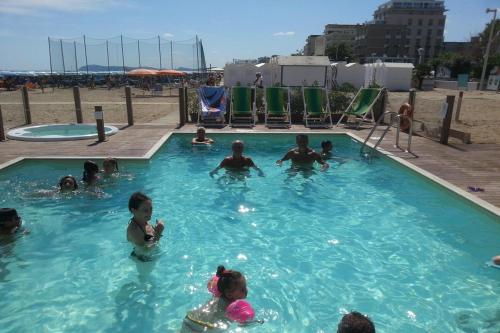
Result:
[[99, 119], [445, 129], [78, 104], [26, 105], [2, 131], [459, 106], [182, 101], [130, 112], [411, 99]]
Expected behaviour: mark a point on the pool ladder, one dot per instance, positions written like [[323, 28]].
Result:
[[395, 118]]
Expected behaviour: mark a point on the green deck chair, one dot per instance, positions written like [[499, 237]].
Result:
[[242, 111], [277, 103], [316, 107], [362, 105]]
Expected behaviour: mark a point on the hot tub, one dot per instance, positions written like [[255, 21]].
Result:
[[58, 132]]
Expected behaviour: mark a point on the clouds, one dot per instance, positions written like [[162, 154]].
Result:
[[285, 34], [31, 7], [168, 35]]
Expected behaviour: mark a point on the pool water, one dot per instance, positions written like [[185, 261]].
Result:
[[56, 132], [372, 237]]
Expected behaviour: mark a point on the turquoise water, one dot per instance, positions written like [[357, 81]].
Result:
[[64, 130], [375, 238]]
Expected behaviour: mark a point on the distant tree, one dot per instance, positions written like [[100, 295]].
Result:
[[339, 52], [298, 52], [420, 73], [457, 63]]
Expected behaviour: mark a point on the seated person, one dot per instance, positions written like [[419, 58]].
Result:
[[303, 155], [68, 184], [237, 161], [326, 149], [10, 222], [90, 171], [355, 322], [140, 232], [201, 138], [109, 166]]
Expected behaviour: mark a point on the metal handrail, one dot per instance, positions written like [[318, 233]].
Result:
[[394, 116]]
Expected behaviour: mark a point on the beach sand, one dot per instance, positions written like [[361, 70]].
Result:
[[480, 113]]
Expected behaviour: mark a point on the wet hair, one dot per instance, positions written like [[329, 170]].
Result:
[[303, 136], [7, 214], [356, 322], [325, 143], [136, 200], [200, 129], [61, 181], [111, 160], [227, 279], [90, 168]]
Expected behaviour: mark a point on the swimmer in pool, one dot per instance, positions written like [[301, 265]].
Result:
[[140, 232], [109, 166], [496, 260], [10, 221], [303, 156], [326, 149], [68, 184], [201, 138], [90, 173], [237, 161]]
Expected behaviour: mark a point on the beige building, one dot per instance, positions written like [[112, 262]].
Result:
[[385, 41], [340, 33], [315, 45], [424, 21]]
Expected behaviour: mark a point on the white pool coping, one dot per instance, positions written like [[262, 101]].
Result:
[[150, 153], [22, 133]]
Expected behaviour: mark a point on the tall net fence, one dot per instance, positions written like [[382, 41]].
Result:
[[85, 55]]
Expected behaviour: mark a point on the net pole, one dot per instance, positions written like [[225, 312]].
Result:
[[50, 56], [159, 49], [139, 53], [76, 60], [107, 54], [62, 54], [197, 56], [123, 58], [86, 59], [171, 56]]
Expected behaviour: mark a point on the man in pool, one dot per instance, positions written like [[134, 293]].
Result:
[[237, 161], [303, 156], [355, 322]]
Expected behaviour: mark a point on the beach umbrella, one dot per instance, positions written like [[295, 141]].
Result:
[[142, 72], [171, 72]]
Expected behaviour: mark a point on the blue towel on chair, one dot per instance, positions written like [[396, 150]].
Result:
[[213, 102]]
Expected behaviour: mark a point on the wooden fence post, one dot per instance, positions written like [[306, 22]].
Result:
[[26, 105], [130, 111], [186, 105], [459, 106], [412, 97], [2, 131], [78, 104], [445, 129], [182, 101], [99, 119]]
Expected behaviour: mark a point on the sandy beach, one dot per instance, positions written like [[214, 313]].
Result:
[[479, 116]]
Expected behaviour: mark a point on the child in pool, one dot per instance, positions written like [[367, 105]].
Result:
[[140, 232], [68, 184], [228, 288], [201, 138], [326, 149], [109, 166], [90, 173], [10, 221]]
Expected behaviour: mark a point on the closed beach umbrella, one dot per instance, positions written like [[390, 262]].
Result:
[[142, 72], [171, 72]]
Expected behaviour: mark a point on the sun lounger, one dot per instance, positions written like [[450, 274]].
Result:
[[213, 101], [242, 111], [277, 103], [316, 107], [362, 105]]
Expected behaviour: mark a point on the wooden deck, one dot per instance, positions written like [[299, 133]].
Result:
[[461, 165]]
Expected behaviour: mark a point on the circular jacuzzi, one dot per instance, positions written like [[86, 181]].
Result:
[[58, 132]]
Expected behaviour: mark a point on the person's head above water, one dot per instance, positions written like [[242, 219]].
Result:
[[68, 183], [355, 322], [231, 284], [141, 206], [237, 148], [302, 140], [9, 220], [326, 145], [110, 165], [200, 133], [90, 170]]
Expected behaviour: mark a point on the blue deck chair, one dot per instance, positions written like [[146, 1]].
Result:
[[213, 101]]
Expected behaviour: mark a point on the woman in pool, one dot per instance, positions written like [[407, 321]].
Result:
[[201, 138], [228, 288], [140, 232], [90, 173], [109, 166], [68, 184]]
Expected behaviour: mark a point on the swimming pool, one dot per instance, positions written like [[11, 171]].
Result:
[[58, 132], [376, 238]]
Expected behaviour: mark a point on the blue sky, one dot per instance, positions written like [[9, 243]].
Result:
[[229, 29]]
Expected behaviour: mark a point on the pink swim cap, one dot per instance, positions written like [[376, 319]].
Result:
[[240, 311], [212, 286]]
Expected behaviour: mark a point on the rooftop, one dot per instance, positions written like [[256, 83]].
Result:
[[302, 60]]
